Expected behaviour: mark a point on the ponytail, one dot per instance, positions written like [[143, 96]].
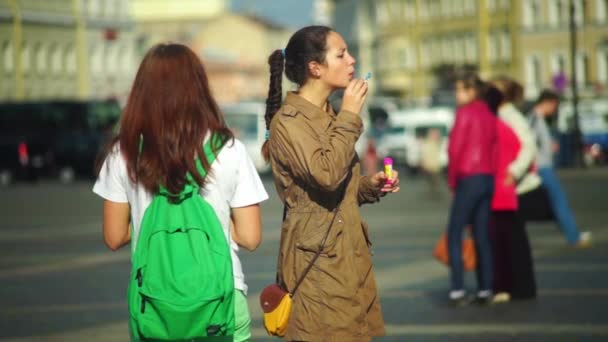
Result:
[[276, 62]]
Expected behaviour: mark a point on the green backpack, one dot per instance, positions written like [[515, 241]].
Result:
[[181, 285]]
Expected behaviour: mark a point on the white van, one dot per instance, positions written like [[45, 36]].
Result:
[[246, 119], [409, 127]]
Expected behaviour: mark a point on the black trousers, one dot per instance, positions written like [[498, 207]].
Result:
[[512, 257]]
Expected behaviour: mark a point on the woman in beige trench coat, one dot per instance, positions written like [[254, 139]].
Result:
[[316, 169]]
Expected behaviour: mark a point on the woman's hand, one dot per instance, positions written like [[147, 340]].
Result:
[[379, 179], [354, 96]]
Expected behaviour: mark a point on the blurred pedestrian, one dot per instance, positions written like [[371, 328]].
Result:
[[169, 116], [317, 176], [472, 145], [504, 221], [546, 106], [516, 280], [430, 163]]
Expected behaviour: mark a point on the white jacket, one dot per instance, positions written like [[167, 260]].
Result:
[[520, 168]]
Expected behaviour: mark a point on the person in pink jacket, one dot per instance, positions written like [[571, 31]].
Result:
[[471, 168]]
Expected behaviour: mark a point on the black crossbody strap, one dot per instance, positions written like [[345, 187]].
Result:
[[322, 244], [318, 253]]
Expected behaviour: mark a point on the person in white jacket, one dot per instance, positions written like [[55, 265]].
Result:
[[521, 172]]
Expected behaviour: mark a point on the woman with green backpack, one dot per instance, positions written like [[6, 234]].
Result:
[[183, 191]]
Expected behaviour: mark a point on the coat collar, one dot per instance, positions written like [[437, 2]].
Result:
[[306, 108]]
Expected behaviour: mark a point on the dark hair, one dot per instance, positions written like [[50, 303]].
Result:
[[548, 95], [308, 44], [493, 98], [171, 107], [511, 90], [471, 80]]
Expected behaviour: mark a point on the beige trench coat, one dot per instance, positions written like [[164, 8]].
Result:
[[311, 153]]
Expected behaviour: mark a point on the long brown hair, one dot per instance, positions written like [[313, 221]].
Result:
[[306, 45], [511, 90], [170, 110]]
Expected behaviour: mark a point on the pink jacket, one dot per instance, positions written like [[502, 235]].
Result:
[[472, 143], [505, 196]]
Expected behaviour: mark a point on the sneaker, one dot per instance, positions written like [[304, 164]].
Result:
[[458, 298], [584, 240], [501, 297], [483, 298]]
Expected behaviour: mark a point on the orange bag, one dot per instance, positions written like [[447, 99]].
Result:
[[469, 256]]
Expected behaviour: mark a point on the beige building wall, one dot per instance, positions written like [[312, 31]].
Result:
[[545, 44], [416, 36], [500, 36], [237, 63], [159, 21], [48, 49]]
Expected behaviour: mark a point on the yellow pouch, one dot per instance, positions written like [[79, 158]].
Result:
[[276, 304]]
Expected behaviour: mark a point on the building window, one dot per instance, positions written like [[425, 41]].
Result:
[[505, 46], [409, 11], [109, 8], [460, 50], [582, 69], [7, 56], [534, 76], [446, 52], [446, 8], [41, 58], [127, 59], [558, 64], [602, 66], [97, 60], [531, 13], [55, 54], [70, 59], [470, 6], [491, 5], [437, 58], [471, 50], [493, 47], [426, 54], [458, 7], [382, 12], [25, 57], [580, 9], [402, 58], [93, 7], [601, 10], [558, 13]]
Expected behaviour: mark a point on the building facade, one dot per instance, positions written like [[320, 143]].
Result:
[[65, 49], [545, 45], [527, 39]]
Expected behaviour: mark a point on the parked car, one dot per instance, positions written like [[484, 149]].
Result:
[[25, 152], [53, 139], [82, 127]]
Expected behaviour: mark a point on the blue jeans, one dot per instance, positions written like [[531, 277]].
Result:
[[471, 204], [559, 204]]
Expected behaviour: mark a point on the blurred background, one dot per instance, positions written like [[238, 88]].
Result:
[[66, 67]]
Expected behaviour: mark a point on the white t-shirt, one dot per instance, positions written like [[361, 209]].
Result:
[[232, 183]]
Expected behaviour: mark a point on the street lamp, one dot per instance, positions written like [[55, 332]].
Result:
[[578, 146]]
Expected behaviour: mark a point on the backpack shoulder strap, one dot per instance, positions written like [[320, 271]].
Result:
[[211, 149]]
